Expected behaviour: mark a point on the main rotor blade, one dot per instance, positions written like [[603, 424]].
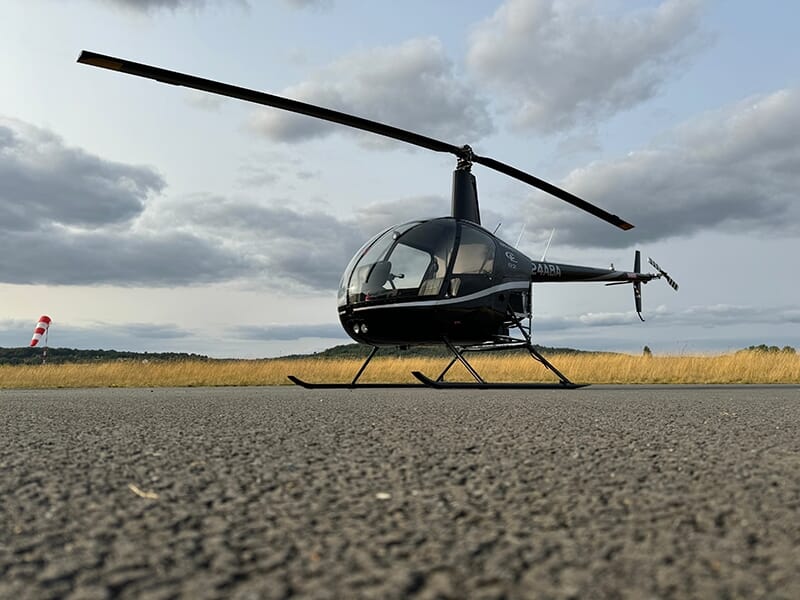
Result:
[[553, 190], [327, 114], [232, 91]]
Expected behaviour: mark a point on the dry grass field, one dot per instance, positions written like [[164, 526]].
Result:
[[738, 368]]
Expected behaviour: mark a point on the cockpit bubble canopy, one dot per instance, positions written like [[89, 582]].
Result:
[[406, 261], [412, 261]]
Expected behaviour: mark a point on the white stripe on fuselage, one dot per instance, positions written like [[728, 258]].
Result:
[[514, 285]]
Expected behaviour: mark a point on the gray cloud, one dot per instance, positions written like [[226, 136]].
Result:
[[68, 217], [75, 219], [717, 315], [306, 248], [560, 66], [147, 6], [732, 314], [152, 331], [270, 167], [180, 241], [140, 337], [315, 4], [380, 215], [59, 256], [43, 181], [292, 331], [411, 86], [287, 248], [732, 170], [153, 5]]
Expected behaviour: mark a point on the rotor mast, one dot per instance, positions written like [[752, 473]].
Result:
[[464, 204]]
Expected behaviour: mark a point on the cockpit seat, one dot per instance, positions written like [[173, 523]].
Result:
[[431, 287]]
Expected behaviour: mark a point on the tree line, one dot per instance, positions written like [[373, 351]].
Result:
[[33, 356]]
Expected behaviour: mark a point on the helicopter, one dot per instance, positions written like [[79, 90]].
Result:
[[443, 281]]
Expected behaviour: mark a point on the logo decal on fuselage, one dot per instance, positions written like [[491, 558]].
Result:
[[512, 260]]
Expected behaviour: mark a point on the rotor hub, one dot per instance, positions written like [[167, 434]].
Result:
[[465, 158]]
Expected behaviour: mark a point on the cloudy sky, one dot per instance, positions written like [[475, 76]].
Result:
[[141, 216]]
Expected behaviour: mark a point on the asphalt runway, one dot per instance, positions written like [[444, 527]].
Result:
[[252, 493]]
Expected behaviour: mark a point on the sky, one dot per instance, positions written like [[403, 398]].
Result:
[[142, 216]]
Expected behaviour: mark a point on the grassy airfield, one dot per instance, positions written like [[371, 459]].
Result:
[[738, 368]]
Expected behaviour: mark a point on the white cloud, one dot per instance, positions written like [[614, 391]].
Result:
[[411, 86], [561, 63]]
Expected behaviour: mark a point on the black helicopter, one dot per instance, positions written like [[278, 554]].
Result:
[[437, 281]]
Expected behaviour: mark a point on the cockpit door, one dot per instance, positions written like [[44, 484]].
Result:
[[473, 268]]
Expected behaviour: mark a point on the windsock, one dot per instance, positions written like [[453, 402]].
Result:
[[41, 329]]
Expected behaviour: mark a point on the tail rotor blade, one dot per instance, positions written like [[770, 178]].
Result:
[[673, 284]]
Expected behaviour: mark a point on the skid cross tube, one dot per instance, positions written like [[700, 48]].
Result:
[[501, 342], [460, 357]]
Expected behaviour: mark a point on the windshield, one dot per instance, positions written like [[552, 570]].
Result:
[[406, 261]]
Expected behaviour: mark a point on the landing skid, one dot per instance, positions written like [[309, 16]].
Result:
[[348, 386], [477, 385], [427, 382]]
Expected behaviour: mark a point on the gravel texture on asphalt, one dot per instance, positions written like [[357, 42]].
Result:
[[251, 493]]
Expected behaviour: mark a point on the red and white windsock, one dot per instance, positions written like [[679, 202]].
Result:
[[41, 329]]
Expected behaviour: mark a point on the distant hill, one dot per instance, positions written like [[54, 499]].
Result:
[[361, 351]]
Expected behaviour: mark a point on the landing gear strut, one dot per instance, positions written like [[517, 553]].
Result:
[[499, 343]]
